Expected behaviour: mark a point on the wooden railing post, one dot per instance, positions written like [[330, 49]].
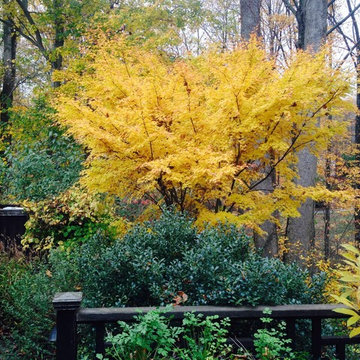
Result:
[[316, 338], [66, 305]]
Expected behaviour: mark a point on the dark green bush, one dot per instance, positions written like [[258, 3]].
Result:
[[26, 312], [158, 260], [153, 264], [42, 161]]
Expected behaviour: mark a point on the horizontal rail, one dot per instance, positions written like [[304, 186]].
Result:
[[69, 314], [319, 311]]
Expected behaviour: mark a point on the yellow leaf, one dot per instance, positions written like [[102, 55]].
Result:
[[351, 321], [355, 332]]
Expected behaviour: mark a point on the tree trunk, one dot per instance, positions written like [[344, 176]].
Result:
[[9, 77], [250, 24], [301, 230], [250, 18], [268, 244], [57, 61]]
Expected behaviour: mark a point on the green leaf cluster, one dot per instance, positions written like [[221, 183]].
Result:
[[151, 337], [42, 161], [271, 343]]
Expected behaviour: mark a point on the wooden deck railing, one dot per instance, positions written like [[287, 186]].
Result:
[[69, 314]]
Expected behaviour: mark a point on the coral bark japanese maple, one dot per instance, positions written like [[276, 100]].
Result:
[[201, 133]]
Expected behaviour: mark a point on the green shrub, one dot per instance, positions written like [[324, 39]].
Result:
[[151, 337], [42, 161], [271, 343], [67, 220], [204, 338], [26, 312], [161, 260], [27, 315]]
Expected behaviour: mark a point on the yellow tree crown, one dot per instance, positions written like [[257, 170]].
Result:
[[201, 133]]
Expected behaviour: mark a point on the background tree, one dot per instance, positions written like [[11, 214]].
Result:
[[352, 45], [311, 16], [250, 18], [9, 39]]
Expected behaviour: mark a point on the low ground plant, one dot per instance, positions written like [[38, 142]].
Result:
[[197, 338], [271, 343], [152, 337]]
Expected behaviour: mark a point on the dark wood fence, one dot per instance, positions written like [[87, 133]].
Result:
[[69, 314]]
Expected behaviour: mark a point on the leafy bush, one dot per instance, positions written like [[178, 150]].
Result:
[[152, 338], [42, 161], [271, 344], [205, 338], [27, 315], [160, 261], [67, 220]]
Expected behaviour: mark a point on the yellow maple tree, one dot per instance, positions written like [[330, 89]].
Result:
[[201, 133]]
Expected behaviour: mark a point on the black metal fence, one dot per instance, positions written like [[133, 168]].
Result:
[[69, 314]]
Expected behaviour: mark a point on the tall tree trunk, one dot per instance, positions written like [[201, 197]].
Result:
[[301, 230], [56, 63], [250, 24], [250, 18], [9, 78]]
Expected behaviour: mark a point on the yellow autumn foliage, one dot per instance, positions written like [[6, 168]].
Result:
[[201, 133], [349, 286]]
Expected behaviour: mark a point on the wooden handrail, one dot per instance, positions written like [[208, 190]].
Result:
[[69, 314], [324, 311]]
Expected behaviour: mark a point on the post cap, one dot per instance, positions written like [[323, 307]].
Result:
[[67, 300]]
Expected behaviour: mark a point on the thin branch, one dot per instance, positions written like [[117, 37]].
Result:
[[334, 22], [343, 20], [331, 3], [350, 53], [292, 145], [346, 41], [26, 36], [290, 7], [355, 24]]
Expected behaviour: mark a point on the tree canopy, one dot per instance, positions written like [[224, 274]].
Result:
[[201, 133]]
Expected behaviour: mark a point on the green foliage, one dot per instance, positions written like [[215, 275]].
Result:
[[26, 314], [205, 338], [162, 261], [154, 24], [159, 261], [151, 337], [41, 162], [271, 344], [67, 220]]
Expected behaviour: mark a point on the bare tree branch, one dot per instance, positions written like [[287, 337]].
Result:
[[31, 21], [350, 53], [355, 24], [343, 20], [290, 7], [331, 3]]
